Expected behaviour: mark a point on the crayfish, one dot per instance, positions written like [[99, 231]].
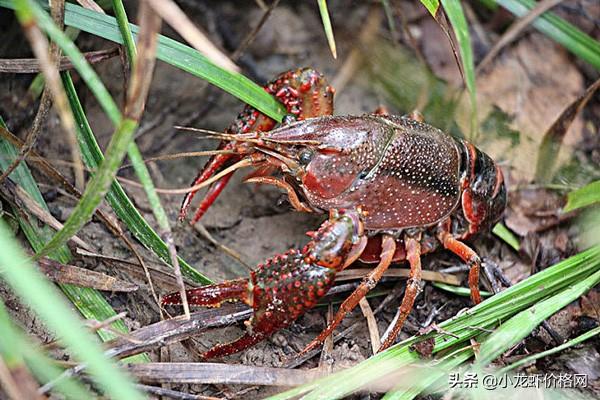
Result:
[[395, 188]]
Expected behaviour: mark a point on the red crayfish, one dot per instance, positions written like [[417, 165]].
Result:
[[395, 188]]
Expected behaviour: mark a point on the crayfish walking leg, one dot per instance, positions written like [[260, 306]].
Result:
[[287, 285], [368, 283], [413, 286]]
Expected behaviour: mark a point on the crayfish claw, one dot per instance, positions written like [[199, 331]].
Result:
[[303, 92], [222, 350], [212, 295], [285, 286]]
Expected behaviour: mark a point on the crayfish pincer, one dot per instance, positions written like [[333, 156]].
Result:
[[285, 286], [408, 187]]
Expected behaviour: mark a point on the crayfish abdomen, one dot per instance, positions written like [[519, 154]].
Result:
[[401, 187]]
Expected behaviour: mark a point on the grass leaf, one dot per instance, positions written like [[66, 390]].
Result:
[[116, 196], [583, 197], [432, 6], [561, 31], [457, 18], [503, 233], [327, 26], [123, 22], [518, 327], [178, 55], [43, 298], [485, 315]]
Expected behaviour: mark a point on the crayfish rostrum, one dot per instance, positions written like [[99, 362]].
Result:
[[394, 187]]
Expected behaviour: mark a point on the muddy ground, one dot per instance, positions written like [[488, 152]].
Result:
[[528, 85]]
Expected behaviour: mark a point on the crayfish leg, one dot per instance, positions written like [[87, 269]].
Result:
[[413, 286], [368, 283], [469, 256], [213, 295]]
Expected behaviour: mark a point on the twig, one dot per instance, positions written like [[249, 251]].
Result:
[[229, 374], [179, 21], [48, 65], [91, 5], [325, 361], [371, 324], [252, 35], [32, 65], [201, 229], [18, 196], [173, 394], [511, 34]]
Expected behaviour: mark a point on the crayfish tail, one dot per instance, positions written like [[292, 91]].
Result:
[[213, 295]]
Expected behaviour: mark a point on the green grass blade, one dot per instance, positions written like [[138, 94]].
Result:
[[90, 302], [519, 326], [123, 22], [16, 348], [459, 290], [116, 197], [327, 26], [457, 18], [97, 187], [559, 30], [432, 6], [486, 315], [503, 233], [178, 55], [75, 56], [43, 298], [583, 197], [573, 342], [430, 375], [134, 153]]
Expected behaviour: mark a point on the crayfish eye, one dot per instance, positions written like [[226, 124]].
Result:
[[305, 156]]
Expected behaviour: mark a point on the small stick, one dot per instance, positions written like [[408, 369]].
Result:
[[371, 323]]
